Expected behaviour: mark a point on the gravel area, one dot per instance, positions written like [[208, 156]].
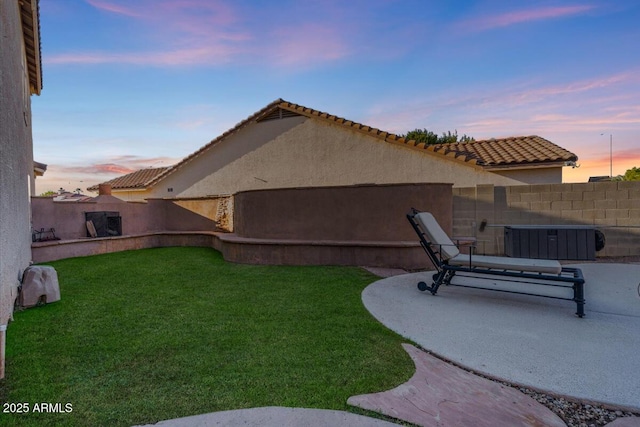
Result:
[[576, 414]]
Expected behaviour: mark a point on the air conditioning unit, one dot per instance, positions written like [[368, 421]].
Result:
[[39, 286]]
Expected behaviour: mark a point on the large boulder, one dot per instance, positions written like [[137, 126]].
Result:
[[39, 285]]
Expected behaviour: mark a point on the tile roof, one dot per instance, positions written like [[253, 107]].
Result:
[[519, 150], [135, 180], [505, 152], [71, 197], [516, 150]]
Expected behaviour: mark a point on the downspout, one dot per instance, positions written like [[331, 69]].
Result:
[[3, 340]]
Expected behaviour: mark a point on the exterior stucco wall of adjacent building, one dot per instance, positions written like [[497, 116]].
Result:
[[16, 158], [132, 195], [313, 154], [245, 141], [542, 175]]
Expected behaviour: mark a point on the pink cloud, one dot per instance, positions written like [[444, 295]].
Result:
[[312, 44], [536, 94], [592, 121], [517, 17], [161, 9], [114, 8], [592, 105], [210, 32], [117, 165], [184, 32], [106, 168], [86, 175], [212, 55]]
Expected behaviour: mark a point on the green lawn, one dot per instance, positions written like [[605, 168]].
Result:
[[143, 336]]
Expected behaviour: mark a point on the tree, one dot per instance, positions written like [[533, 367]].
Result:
[[632, 174], [421, 135], [49, 193], [428, 137]]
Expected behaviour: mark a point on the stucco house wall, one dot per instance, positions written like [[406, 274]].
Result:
[[16, 161], [135, 195], [16, 158], [542, 175], [229, 151], [302, 152], [286, 145]]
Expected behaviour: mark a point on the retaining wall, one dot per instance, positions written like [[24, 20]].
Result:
[[157, 215], [362, 225], [352, 225]]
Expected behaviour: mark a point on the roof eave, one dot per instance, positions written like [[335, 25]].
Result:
[[30, 16], [119, 189], [39, 168], [519, 166], [116, 190]]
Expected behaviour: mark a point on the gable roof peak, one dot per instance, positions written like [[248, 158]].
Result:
[[515, 151]]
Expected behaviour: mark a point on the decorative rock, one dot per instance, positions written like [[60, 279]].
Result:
[[39, 284], [625, 422]]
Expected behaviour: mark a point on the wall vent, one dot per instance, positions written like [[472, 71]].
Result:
[[278, 114]]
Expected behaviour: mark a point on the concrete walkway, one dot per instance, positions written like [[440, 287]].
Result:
[[532, 341], [276, 416]]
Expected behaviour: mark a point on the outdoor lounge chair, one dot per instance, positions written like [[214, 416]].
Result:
[[525, 272]]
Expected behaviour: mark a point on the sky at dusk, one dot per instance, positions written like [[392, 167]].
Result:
[[131, 84]]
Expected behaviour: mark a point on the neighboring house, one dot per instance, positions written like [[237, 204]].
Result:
[[133, 185], [67, 196], [599, 178], [20, 77], [38, 169], [288, 145]]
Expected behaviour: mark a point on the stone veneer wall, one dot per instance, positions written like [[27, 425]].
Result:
[[614, 207]]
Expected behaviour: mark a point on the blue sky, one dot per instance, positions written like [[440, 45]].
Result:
[[130, 84]]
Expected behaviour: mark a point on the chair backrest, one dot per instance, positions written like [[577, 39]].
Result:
[[436, 235]]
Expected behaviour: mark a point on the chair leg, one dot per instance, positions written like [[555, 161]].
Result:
[[578, 297], [448, 276], [438, 279]]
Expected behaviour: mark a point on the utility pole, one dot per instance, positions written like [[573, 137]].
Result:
[[611, 155]]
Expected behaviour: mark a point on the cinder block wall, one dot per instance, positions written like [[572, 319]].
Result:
[[614, 207]]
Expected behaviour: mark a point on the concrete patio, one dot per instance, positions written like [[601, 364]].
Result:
[[531, 341]]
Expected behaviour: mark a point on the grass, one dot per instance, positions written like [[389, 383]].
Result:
[[143, 336]]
